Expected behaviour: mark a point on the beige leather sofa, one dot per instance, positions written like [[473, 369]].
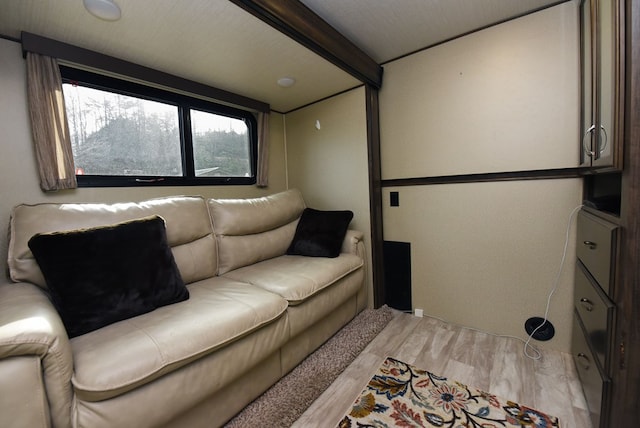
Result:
[[253, 314]]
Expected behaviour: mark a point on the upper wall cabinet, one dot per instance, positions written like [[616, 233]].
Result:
[[601, 30]]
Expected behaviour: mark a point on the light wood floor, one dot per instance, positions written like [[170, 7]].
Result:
[[491, 363]]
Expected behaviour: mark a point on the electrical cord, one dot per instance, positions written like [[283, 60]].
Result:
[[476, 329], [527, 345]]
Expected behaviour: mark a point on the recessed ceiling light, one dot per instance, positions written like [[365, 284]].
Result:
[[286, 82], [103, 9]]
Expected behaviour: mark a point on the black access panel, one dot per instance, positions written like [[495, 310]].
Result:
[[397, 274]]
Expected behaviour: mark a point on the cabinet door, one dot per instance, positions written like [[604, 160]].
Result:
[[587, 123], [601, 29], [596, 312], [595, 384], [596, 248], [606, 149]]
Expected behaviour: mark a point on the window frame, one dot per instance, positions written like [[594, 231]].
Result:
[[184, 103]]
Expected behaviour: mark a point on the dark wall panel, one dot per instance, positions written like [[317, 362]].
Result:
[[397, 274]]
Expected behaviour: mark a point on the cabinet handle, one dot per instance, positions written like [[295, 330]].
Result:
[[587, 304], [586, 362], [586, 149], [149, 180], [600, 149], [604, 141], [592, 245]]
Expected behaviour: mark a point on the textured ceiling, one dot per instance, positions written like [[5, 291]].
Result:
[[217, 43]]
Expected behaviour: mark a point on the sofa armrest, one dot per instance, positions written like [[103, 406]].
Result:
[[351, 243], [31, 327]]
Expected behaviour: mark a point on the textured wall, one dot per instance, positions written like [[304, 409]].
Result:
[[329, 165], [503, 99]]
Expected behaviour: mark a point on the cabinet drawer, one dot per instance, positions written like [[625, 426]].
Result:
[[594, 383], [596, 313], [596, 246]]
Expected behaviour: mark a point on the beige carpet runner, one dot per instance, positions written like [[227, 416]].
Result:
[[400, 395], [283, 403]]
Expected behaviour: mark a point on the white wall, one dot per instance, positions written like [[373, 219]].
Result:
[[486, 255], [503, 99], [330, 165], [18, 176]]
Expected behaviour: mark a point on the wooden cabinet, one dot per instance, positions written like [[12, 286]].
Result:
[[595, 248], [602, 83], [625, 365], [595, 384], [594, 311]]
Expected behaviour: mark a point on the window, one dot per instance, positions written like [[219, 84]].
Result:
[[126, 134]]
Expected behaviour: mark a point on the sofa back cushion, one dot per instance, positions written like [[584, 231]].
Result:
[[106, 274], [188, 229], [251, 230]]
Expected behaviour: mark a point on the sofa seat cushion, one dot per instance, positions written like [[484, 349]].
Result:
[[125, 355], [297, 278]]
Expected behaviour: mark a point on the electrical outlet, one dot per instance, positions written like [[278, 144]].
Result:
[[418, 312], [539, 328]]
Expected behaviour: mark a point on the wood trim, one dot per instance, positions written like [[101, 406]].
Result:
[[620, 85], [97, 61], [300, 23], [542, 174], [626, 366], [375, 194]]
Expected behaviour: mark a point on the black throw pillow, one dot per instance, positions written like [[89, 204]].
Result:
[[320, 233], [102, 275]]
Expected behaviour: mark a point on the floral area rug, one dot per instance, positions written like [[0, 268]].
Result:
[[400, 395]]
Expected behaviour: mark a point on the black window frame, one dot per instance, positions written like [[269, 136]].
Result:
[[184, 103]]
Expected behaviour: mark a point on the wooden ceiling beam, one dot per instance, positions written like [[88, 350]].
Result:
[[297, 21]]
